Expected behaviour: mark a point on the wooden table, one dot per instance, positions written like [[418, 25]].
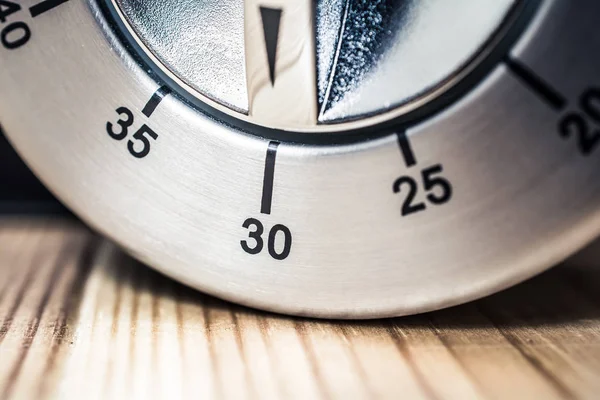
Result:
[[79, 319]]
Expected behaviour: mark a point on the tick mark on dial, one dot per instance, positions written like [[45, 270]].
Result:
[[271, 18], [44, 6], [155, 100], [267, 192], [406, 149], [536, 84]]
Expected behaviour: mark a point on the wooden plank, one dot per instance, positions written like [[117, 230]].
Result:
[[80, 318]]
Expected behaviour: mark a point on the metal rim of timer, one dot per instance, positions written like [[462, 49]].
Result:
[[490, 190]]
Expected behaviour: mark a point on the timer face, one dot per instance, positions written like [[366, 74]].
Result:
[[21, 192], [337, 158], [327, 65]]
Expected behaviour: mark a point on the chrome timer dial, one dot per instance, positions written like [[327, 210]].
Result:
[[331, 158]]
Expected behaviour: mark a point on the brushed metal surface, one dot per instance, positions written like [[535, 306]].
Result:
[[524, 198]]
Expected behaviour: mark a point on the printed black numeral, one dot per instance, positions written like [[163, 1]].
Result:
[[408, 207], [124, 123], [17, 34], [142, 140], [584, 125], [438, 189], [8, 8], [140, 145], [256, 235], [256, 230]]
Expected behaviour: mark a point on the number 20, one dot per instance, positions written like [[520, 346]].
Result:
[[585, 124]]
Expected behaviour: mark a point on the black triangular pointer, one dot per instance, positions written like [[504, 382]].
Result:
[[271, 17]]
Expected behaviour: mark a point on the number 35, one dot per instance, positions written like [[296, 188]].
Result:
[[139, 146]]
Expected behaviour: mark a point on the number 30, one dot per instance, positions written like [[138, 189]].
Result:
[[256, 235]]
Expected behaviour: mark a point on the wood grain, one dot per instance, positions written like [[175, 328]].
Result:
[[78, 318]]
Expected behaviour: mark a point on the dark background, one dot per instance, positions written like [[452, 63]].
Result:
[[20, 191]]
